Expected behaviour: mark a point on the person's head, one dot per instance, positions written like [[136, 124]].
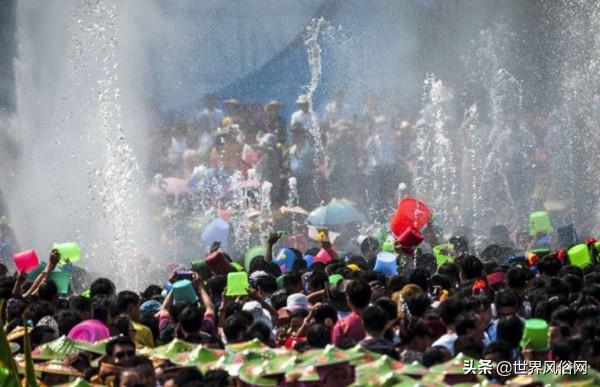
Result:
[[358, 294], [451, 271], [102, 286], [469, 345], [298, 133], [590, 352], [549, 266], [41, 334], [82, 306], [426, 262], [190, 320], [325, 314], [266, 286], [418, 336], [66, 320], [236, 328], [516, 278], [466, 324], [318, 336], [303, 103], [436, 355], [210, 101], [129, 303], [48, 291], [418, 304], [316, 281], [139, 373], [420, 277], [374, 320], [120, 350], [40, 309], [297, 317], [152, 292], [507, 303], [449, 310], [510, 329], [470, 268], [122, 325], [292, 283], [187, 377]]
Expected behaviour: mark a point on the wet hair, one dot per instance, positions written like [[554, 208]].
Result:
[[449, 309], [418, 304], [374, 319], [318, 336], [102, 286], [119, 340], [152, 292], [471, 267], [359, 293], [510, 329], [427, 262], [48, 291]]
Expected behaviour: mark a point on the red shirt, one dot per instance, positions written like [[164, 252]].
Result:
[[349, 328]]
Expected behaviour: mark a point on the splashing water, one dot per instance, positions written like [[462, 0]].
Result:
[[436, 173]]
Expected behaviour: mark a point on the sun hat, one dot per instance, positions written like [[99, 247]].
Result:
[[297, 301]]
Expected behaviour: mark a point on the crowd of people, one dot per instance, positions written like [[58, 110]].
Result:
[[325, 308]]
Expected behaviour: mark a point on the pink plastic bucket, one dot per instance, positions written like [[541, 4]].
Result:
[[26, 260]]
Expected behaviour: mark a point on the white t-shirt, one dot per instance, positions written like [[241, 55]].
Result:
[[447, 341]]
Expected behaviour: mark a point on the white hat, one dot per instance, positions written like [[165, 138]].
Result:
[[297, 301], [260, 315]]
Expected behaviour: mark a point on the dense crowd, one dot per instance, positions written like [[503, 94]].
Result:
[[310, 313]]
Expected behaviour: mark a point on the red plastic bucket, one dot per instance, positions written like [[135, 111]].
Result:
[[26, 260], [410, 213]]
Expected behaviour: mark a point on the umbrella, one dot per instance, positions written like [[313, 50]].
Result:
[[336, 213]]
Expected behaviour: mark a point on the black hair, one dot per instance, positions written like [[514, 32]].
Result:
[[119, 340], [152, 292], [235, 328], [441, 281], [435, 355], [573, 282], [215, 378], [469, 346], [317, 280], [324, 312], [101, 307], [426, 261], [420, 277], [299, 265], [260, 331], [449, 309], [562, 352], [517, 277], [66, 320], [125, 299], [48, 291], [374, 319], [510, 329], [279, 299], [390, 307], [507, 298], [40, 309], [120, 325], [463, 323], [80, 305], [6, 287], [190, 319], [500, 348], [450, 270], [471, 267], [291, 281], [565, 314], [37, 334], [396, 283], [549, 265], [359, 293], [102, 286], [151, 322], [266, 283], [418, 304], [318, 336], [416, 328], [187, 375]]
